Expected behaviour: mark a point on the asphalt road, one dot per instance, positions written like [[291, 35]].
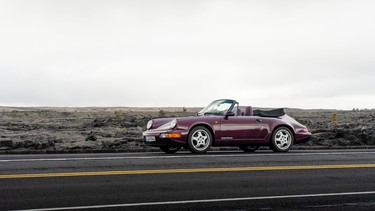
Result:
[[264, 180]]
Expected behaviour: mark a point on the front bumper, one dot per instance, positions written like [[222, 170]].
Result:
[[155, 138]]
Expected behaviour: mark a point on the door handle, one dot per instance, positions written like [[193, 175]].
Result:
[[258, 120]]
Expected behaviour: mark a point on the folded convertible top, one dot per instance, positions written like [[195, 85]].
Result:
[[271, 113]]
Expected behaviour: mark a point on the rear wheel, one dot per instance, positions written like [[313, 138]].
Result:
[[170, 150], [200, 140], [282, 139], [249, 148]]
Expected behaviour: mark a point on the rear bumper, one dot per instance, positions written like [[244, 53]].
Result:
[[302, 137]]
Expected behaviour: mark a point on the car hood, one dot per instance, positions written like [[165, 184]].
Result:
[[158, 124]]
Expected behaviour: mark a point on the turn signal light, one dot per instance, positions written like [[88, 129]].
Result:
[[174, 135]]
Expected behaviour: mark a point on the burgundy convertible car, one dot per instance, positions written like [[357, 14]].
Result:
[[222, 123]]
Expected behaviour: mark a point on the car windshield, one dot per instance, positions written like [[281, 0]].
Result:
[[218, 107]]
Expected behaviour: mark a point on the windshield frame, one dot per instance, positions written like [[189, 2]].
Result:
[[211, 109]]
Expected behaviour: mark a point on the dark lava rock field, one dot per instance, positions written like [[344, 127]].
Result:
[[76, 130]]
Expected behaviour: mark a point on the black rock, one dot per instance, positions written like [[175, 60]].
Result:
[[6, 143], [91, 137], [28, 144]]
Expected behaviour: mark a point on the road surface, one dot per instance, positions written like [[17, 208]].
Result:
[[264, 180]]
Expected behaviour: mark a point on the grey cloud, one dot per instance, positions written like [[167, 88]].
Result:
[[186, 53]]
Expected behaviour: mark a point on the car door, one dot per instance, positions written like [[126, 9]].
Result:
[[240, 128]]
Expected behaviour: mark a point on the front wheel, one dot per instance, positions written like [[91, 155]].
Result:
[[249, 148], [282, 139], [170, 150], [200, 140]]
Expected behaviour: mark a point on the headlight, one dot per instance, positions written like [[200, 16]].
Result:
[[149, 124], [173, 123]]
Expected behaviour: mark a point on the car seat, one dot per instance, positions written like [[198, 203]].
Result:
[[249, 111]]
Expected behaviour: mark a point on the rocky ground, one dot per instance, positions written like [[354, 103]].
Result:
[[68, 130]]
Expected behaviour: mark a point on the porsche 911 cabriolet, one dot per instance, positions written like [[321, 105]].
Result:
[[223, 123]]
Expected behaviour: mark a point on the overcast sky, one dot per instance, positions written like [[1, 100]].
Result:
[[305, 54]]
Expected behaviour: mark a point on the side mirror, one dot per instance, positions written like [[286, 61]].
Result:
[[230, 113]]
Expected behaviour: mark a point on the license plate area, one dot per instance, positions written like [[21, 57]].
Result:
[[150, 139]]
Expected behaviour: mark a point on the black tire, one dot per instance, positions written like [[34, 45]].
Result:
[[170, 150], [249, 148], [200, 140], [282, 139]]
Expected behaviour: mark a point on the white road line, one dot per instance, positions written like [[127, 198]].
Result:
[[183, 156], [203, 201]]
